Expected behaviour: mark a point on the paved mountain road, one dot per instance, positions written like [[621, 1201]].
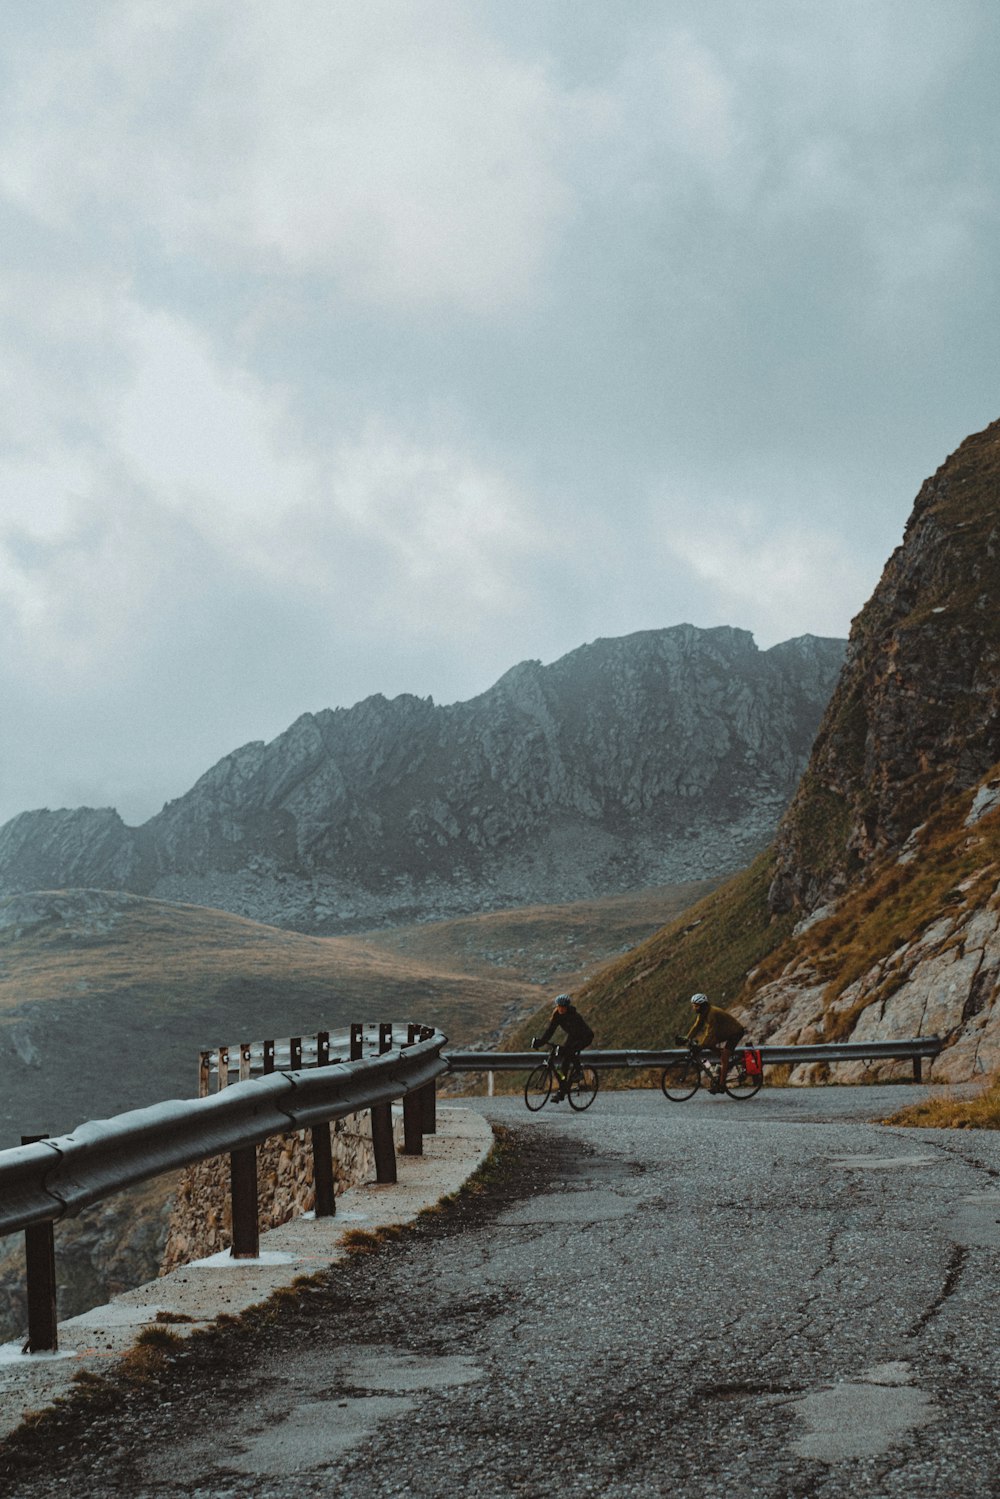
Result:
[[771, 1298]]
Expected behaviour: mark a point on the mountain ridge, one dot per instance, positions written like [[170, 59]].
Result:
[[632, 761]]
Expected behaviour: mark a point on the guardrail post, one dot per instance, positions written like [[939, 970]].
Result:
[[357, 1042], [40, 1274], [322, 1048], [204, 1072], [917, 1071], [268, 1057], [428, 1094], [243, 1195], [413, 1112], [383, 1144], [322, 1152]]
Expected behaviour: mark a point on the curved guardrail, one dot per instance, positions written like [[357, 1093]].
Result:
[[45, 1180], [54, 1178]]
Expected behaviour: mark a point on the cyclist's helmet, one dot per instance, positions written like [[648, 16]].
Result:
[[562, 1001], [699, 1000]]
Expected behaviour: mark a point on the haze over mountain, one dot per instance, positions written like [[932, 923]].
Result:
[[659, 757], [876, 912]]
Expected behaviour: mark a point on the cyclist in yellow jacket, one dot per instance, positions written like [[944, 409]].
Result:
[[715, 1029]]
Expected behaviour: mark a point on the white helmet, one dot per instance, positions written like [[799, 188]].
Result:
[[698, 1000]]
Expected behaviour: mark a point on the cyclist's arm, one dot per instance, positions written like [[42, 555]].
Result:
[[549, 1031]]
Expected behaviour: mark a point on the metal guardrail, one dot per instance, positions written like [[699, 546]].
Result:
[[915, 1050], [44, 1180], [222, 1065], [55, 1178]]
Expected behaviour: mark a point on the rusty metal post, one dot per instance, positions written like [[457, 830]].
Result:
[[413, 1123], [428, 1100], [223, 1067], [294, 1053], [245, 1061], [322, 1149], [322, 1048], [204, 1072], [357, 1042], [40, 1274], [383, 1143], [268, 1057], [413, 1110], [243, 1195]]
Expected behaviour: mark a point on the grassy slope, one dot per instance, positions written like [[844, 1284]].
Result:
[[728, 943], [642, 998]]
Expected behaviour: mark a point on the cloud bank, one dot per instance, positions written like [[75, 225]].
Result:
[[353, 349]]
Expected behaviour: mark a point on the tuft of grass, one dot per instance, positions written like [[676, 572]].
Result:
[[155, 1336], [150, 1355], [948, 1112]]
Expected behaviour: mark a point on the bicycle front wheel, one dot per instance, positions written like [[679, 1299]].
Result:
[[680, 1080], [740, 1083], [538, 1087], [583, 1087]]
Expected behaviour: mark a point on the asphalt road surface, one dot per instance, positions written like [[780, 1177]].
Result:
[[768, 1298]]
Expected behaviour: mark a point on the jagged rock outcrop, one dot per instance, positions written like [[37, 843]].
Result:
[[916, 713], [890, 849], [663, 756]]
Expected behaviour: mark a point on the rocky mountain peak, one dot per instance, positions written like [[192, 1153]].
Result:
[[657, 757], [916, 713]]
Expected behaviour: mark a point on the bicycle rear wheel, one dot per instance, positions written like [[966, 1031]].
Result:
[[740, 1083], [583, 1085], [538, 1087], [680, 1080]]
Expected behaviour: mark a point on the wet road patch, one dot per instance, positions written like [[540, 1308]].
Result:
[[864, 1417]]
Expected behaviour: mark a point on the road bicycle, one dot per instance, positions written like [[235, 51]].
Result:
[[580, 1085], [683, 1078]]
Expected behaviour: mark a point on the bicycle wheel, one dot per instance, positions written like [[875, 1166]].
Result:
[[583, 1085], [740, 1083], [538, 1087], [681, 1079]]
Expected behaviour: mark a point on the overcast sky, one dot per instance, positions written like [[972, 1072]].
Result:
[[355, 346]]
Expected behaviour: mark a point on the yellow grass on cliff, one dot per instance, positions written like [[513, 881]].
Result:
[[982, 1111]]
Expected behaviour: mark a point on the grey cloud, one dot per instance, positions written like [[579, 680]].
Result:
[[742, 301]]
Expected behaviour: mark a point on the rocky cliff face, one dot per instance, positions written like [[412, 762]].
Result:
[[660, 757], [890, 851], [916, 714]]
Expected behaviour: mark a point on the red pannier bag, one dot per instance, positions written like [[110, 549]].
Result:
[[752, 1061]]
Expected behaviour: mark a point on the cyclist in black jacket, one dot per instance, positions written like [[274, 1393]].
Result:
[[567, 1018]]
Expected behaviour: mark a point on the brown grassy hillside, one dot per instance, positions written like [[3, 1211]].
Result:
[[642, 997], [106, 998], [731, 946]]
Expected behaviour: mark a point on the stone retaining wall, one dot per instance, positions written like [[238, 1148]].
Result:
[[201, 1221]]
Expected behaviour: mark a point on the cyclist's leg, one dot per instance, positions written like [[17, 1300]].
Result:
[[567, 1057], [725, 1057]]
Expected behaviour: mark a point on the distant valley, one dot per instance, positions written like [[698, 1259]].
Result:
[[107, 998]]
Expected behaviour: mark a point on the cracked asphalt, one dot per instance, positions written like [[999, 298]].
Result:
[[769, 1298]]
